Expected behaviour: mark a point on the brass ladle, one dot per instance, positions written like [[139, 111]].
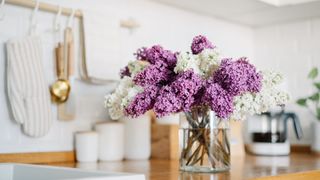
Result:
[[61, 88]]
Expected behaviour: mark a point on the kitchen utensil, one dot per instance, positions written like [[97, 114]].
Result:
[[67, 110], [61, 88], [271, 138]]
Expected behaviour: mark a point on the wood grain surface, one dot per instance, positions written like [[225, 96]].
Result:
[[39, 157], [308, 175], [164, 141], [293, 167]]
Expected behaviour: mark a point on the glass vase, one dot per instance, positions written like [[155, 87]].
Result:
[[204, 141]]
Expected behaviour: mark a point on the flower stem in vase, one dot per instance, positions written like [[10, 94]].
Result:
[[205, 142]]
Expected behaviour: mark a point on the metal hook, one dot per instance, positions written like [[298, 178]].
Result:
[[2, 14], [34, 22], [57, 23], [70, 20]]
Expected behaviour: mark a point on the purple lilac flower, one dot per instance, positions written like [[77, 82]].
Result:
[[219, 100], [169, 58], [167, 92], [200, 43], [142, 102], [141, 54], [254, 81], [125, 72], [186, 86], [154, 54], [179, 95], [198, 97], [157, 53], [237, 77], [167, 102], [153, 74]]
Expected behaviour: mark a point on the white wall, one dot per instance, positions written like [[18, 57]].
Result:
[[160, 24], [292, 49]]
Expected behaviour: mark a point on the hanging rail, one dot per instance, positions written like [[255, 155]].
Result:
[[130, 24]]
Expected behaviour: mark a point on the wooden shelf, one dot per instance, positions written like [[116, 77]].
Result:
[[39, 157]]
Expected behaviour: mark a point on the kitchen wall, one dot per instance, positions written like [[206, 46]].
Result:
[[293, 49], [173, 28]]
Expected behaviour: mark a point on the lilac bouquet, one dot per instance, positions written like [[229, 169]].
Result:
[[198, 83], [170, 82]]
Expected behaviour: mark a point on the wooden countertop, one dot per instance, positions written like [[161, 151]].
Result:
[[247, 167]]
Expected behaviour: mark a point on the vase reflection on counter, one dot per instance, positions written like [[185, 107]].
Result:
[[204, 141]]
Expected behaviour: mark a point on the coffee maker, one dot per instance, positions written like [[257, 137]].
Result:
[[271, 135]]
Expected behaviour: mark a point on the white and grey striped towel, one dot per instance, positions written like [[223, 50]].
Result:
[[27, 88]]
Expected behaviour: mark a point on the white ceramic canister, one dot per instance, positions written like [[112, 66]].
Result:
[[86, 146], [111, 141], [138, 137]]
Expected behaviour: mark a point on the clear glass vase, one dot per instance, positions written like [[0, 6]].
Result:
[[204, 141]]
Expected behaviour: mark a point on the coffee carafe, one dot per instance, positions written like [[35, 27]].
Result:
[[271, 137]]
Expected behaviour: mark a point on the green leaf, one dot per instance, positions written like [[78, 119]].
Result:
[[317, 85], [302, 102], [318, 113], [315, 97], [313, 73]]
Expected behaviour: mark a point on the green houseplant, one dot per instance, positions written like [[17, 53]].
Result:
[[312, 102]]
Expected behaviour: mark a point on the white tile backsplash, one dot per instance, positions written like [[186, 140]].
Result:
[[160, 24], [290, 48]]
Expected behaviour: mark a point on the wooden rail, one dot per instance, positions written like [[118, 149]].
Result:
[[130, 23]]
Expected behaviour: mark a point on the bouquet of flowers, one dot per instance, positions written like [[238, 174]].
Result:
[[171, 82], [196, 83]]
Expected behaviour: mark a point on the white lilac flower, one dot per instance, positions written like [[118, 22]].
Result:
[[122, 96], [204, 63], [187, 61], [257, 103], [208, 61], [271, 78], [112, 102], [132, 92], [137, 66]]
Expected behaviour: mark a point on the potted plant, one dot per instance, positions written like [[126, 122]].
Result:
[[207, 89], [312, 103]]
